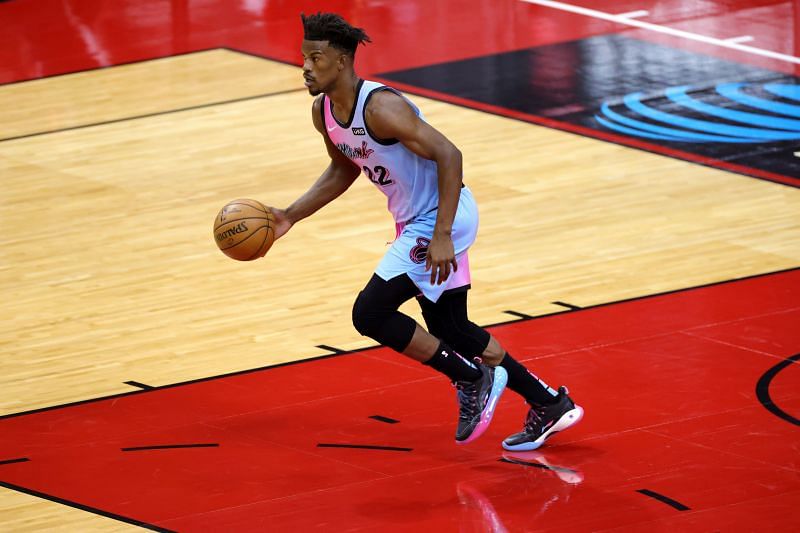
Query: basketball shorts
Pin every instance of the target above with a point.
(407, 253)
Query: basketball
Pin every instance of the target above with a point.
(244, 229)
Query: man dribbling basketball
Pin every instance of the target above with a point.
(372, 128)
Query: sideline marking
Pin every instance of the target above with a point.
(621, 19)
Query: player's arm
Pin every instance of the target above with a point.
(390, 117)
(340, 174)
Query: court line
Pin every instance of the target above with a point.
(591, 133)
(158, 113)
(384, 419)
(139, 385)
(372, 347)
(13, 461)
(169, 447)
(147, 59)
(762, 390)
(627, 20)
(517, 314)
(660, 497)
(567, 305)
(364, 447)
(330, 348)
(83, 507)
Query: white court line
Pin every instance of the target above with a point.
(634, 14)
(664, 29)
(740, 39)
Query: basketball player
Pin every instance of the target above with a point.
(370, 128)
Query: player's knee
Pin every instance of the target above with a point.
(366, 319)
(382, 323)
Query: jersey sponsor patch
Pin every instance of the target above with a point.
(359, 131)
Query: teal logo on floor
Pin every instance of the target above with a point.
(741, 113)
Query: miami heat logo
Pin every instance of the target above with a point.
(420, 251)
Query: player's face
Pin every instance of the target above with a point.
(321, 66)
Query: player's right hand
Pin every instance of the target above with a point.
(282, 222)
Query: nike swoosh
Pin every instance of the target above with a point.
(331, 128)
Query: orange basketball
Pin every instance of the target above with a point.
(244, 229)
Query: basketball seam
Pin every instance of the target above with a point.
(240, 219)
(245, 239)
(261, 245)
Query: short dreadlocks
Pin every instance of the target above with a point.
(334, 29)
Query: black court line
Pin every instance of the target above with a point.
(364, 447)
(372, 347)
(568, 306)
(762, 390)
(384, 419)
(299, 65)
(139, 385)
(105, 67)
(156, 114)
(169, 447)
(148, 59)
(12, 461)
(331, 349)
(520, 315)
(663, 499)
(86, 508)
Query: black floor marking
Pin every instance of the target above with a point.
(364, 447)
(538, 465)
(386, 419)
(86, 508)
(12, 461)
(150, 115)
(331, 349)
(367, 348)
(520, 315)
(663, 499)
(139, 385)
(762, 390)
(568, 306)
(169, 447)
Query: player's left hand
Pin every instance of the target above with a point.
(441, 258)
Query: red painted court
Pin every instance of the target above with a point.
(692, 398)
(692, 415)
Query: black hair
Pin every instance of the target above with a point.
(334, 29)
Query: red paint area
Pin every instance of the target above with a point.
(668, 384)
(49, 37)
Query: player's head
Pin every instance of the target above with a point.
(329, 48)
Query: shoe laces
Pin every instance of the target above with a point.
(535, 416)
(467, 399)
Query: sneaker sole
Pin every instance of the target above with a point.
(567, 420)
(499, 385)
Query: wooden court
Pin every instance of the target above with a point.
(113, 284)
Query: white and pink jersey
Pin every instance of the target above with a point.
(410, 182)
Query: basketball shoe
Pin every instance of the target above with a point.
(544, 421)
(476, 401)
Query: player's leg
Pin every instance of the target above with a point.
(550, 411)
(376, 315)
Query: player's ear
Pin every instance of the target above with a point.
(341, 62)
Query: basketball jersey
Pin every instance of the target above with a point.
(410, 182)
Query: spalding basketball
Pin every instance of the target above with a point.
(244, 229)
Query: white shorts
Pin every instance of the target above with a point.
(407, 253)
